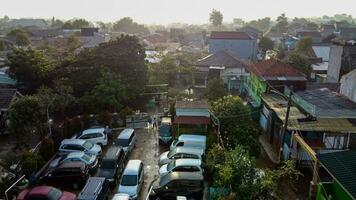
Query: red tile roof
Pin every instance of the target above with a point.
(191, 120)
(274, 68)
(230, 35)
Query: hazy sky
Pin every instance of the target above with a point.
(167, 11)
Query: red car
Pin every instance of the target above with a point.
(45, 193)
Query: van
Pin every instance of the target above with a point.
(192, 141)
(127, 140)
(112, 164)
(96, 188)
(132, 179)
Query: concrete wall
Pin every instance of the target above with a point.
(334, 64)
(246, 49)
(348, 85)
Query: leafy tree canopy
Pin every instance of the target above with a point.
(127, 25)
(262, 24)
(216, 18)
(216, 89)
(282, 24)
(303, 45)
(76, 24)
(300, 62)
(21, 37)
(265, 44)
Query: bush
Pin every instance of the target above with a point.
(47, 149)
(85, 121)
(31, 162)
(124, 112)
(104, 118)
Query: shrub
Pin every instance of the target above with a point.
(31, 162)
(47, 149)
(104, 118)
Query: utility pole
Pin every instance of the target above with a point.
(285, 126)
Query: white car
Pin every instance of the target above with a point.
(74, 145)
(132, 179)
(127, 140)
(181, 165)
(89, 160)
(180, 152)
(121, 196)
(95, 136)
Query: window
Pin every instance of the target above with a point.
(88, 145)
(180, 144)
(190, 156)
(122, 142)
(129, 180)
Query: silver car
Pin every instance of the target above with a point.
(73, 145)
(181, 165)
(127, 140)
(132, 179)
(180, 152)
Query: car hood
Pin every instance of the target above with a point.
(130, 190)
(163, 158)
(163, 170)
(68, 196)
(106, 173)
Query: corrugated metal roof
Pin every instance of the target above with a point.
(192, 104)
(222, 58)
(230, 35)
(341, 166)
(191, 120)
(323, 125)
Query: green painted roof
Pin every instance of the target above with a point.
(342, 167)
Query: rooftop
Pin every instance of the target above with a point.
(274, 69)
(309, 34)
(341, 166)
(6, 97)
(230, 35)
(192, 105)
(222, 58)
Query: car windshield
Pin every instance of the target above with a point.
(164, 131)
(88, 145)
(171, 153)
(171, 165)
(54, 194)
(129, 180)
(86, 157)
(108, 164)
(122, 142)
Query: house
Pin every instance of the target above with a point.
(348, 85)
(224, 65)
(342, 60)
(340, 166)
(194, 40)
(347, 33)
(240, 43)
(7, 96)
(270, 75)
(289, 42)
(251, 31)
(88, 32)
(191, 117)
(94, 40)
(327, 30)
(314, 35)
(321, 64)
(275, 37)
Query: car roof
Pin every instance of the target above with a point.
(40, 190)
(187, 162)
(112, 152)
(132, 167)
(92, 187)
(126, 133)
(189, 150)
(77, 154)
(93, 130)
(73, 141)
(121, 196)
(181, 176)
(73, 164)
(192, 137)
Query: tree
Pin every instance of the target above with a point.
(127, 25)
(2, 45)
(300, 62)
(216, 18)
(216, 89)
(56, 23)
(107, 95)
(261, 24)
(75, 24)
(265, 44)
(27, 118)
(303, 45)
(72, 43)
(165, 71)
(30, 68)
(21, 37)
(282, 24)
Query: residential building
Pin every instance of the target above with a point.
(327, 30)
(224, 65)
(321, 64)
(348, 33)
(88, 32)
(275, 37)
(7, 96)
(240, 43)
(348, 85)
(314, 35)
(270, 75)
(289, 42)
(342, 60)
(191, 117)
(251, 31)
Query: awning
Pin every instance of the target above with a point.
(192, 120)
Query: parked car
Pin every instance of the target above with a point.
(95, 136)
(121, 196)
(180, 152)
(132, 179)
(126, 139)
(96, 188)
(188, 184)
(73, 145)
(90, 160)
(193, 141)
(181, 165)
(72, 174)
(107, 131)
(45, 193)
(112, 164)
(165, 131)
